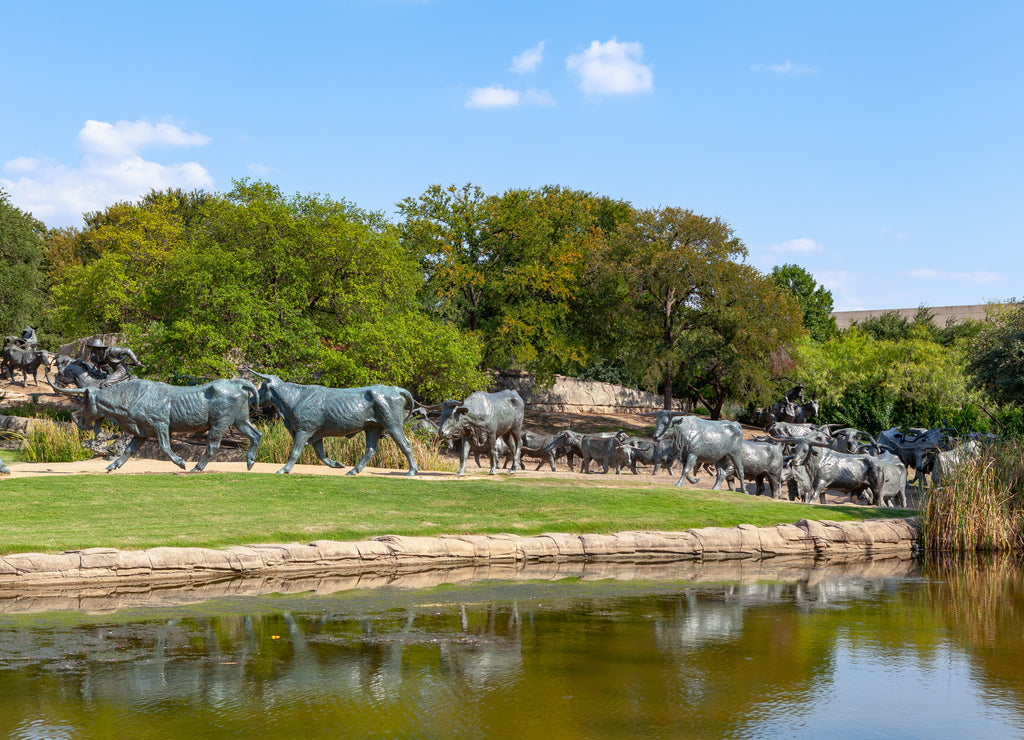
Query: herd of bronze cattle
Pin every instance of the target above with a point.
(808, 458)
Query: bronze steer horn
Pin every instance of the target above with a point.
(73, 392)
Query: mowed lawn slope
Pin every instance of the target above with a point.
(221, 509)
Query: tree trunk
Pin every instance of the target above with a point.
(666, 391)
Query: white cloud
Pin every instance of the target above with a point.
(495, 96)
(612, 68)
(260, 170)
(843, 286)
(111, 170)
(801, 244)
(499, 96)
(528, 60)
(978, 277)
(130, 137)
(981, 278)
(538, 97)
(786, 68)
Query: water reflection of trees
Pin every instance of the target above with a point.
(981, 601)
(707, 660)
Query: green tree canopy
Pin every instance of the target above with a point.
(995, 360)
(874, 384)
(305, 286)
(682, 313)
(815, 300)
(510, 267)
(22, 268)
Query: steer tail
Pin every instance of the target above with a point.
(410, 402)
(253, 391)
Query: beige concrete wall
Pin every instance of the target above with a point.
(940, 314)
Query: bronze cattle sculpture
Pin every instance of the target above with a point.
(312, 412)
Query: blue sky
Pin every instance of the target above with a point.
(877, 144)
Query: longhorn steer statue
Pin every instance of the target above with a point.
(815, 468)
(483, 418)
(701, 441)
(150, 410)
(313, 412)
(792, 430)
(602, 449)
(797, 413)
(26, 358)
(546, 448)
(894, 480)
(570, 444)
(947, 461)
(762, 461)
(915, 447)
(3, 469)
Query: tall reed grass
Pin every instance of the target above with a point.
(49, 441)
(980, 506)
(276, 445)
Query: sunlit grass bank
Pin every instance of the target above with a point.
(222, 509)
(981, 505)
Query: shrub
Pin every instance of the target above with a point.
(981, 505)
(48, 441)
(276, 445)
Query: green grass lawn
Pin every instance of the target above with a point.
(11, 456)
(222, 509)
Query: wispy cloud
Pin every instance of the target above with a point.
(126, 138)
(978, 278)
(112, 169)
(843, 285)
(260, 170)
(612, 68)
(800, 245)
(499, 96)
(528, 60)
(981, 278)
(786, 68)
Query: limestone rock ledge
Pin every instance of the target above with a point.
(827, 540)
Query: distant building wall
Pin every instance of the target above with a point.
(940, 314)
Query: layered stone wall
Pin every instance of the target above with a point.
(806, 538)
(572, 395)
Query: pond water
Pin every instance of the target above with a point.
(886, 650)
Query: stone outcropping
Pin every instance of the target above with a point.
(807, 538)
(572, 395)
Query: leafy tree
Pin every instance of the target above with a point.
(660, 272)
(746, 326)
(541, 242)
(448, 230)
(305, 286)
(510, 266)
(103, 273)
(815, 300)
(995, 359)
(875, 384)
(889, 326)
(22, 268)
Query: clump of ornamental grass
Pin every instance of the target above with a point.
(276, 445)
(980, 506)
(49, 441)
